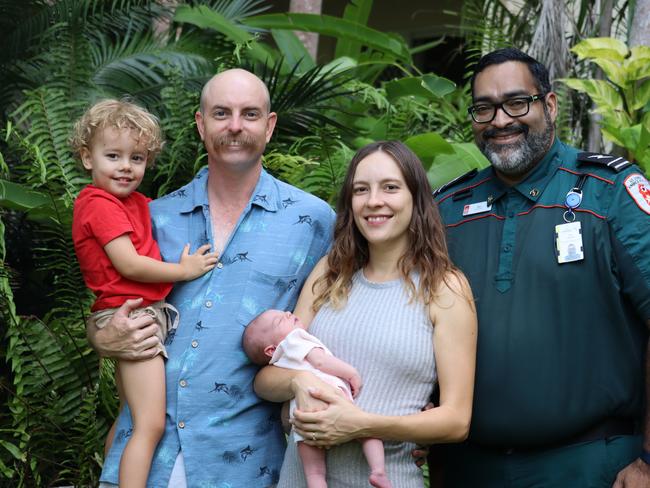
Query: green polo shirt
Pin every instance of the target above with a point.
(560, 346)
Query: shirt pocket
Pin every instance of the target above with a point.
(264, 291)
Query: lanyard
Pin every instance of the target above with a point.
(573, 199)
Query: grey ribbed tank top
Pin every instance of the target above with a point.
(390, 342)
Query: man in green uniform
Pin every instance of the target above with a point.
(556, 246)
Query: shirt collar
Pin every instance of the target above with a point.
(265, 195)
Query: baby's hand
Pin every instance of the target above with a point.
(355, 384)
(199, 263)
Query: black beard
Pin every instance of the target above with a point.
(517, 158)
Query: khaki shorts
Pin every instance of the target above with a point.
(161, 312)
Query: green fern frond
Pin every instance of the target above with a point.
(44, 118)
(288, 167)
(328, 158)
(183, 148)
(52, 366)
(83, 456)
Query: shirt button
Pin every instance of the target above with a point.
(195, 344)
(208, 304)
(183, 383)
(219, 265)
(506, 248)
(181, 425)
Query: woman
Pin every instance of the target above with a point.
(388, 300)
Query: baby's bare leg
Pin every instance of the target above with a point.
(373, 449)
(143, 383)
(313, 464)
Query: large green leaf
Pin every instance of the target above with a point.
(613, 134)
(438, 85)
(642, 97)
(428, 146)
(358, 12)
(340, 65)
(602, 92)
(638, 68)
(601, 47)
(206, 18)
(465, 157)
(336, 27)
(428, 86)
(293, 49)
(613, 70)
(630, 136)
(37, 205)
(18, 197)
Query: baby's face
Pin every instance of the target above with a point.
(280, 323)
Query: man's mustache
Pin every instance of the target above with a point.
(241, 140)
(506, 131)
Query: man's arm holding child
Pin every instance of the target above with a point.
(125, 338)
(329, 364)
(136, 267)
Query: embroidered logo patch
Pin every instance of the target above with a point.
(639, 189)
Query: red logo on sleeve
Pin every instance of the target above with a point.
(639, 189)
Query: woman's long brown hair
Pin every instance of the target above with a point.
(426, 253)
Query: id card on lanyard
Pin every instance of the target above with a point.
(568, 236)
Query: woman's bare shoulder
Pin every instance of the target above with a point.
(453, 291)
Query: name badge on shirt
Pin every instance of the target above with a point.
(568, 242)
(475, 208)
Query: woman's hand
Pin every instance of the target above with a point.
(302, 385)
(340, 422)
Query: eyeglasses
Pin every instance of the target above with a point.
(482, 113)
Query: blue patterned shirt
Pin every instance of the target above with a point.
(229, 437)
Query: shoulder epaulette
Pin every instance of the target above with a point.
(459, 179)
(615, 163)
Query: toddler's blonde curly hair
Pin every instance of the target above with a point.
(118, 114)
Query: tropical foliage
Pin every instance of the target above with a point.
(59, 56)
(623, 98)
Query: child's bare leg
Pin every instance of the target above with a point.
(111, 433)
(143, 383)
(313, 464)
(373, 449)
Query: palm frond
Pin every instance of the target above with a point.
(236, 10)
(136, 65)
(301, 99)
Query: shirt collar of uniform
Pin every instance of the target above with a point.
(265, 195)
(534, 184)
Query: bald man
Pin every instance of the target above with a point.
(268, 236)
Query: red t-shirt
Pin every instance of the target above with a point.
(98, 218)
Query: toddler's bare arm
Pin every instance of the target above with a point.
(136, 267)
